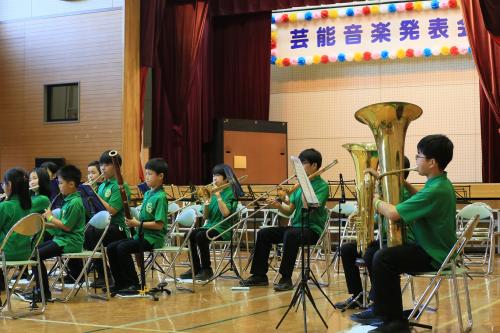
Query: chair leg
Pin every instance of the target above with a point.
(467, 300)
(106, 278)
(456, 298)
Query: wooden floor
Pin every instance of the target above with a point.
(216, 308)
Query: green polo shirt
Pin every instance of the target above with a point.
(154, 209)
(72, 216)
(18, 247)
(215, 216)
(109, 190)
(317, 217)
(431, 214)
(39, 203)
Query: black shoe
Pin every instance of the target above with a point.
(131, 290)
(367, 317)
(98, 283)
(187, 275)
(349, 303)
(284, 284)
(35, 296)
(112, 289)
(254, 281)
(204, 275)
(393, 326)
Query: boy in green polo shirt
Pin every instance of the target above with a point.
(110, 196)
(431, 214)
(16, 206)
(152, 224)
(68, 235)
(349, 253)
(222, 204)
(290, 236)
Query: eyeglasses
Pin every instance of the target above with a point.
(419, 156)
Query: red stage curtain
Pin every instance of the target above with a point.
(232, 7)
(486, 54)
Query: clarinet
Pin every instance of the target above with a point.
(119, 178)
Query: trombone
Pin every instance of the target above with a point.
(203, 193)
(278, 188)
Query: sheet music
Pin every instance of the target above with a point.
(305, 184)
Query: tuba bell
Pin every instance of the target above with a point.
(388, 122)
(364, 155)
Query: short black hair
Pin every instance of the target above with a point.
(51, 166)
(219, 169)
(19, 186)
(406, 165)
(70, 173)
(311, 155)
(106, 159)
(43, 181)
(438, 147)
(158, 165)
(95, 164)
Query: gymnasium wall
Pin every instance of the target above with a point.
(41, 43)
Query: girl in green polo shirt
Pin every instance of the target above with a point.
(68, 235)
(222, 204)
(40, 188)
(109, 195)
(16, 206)
(151, 230)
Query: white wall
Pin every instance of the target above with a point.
(24, 9)
(319, 102)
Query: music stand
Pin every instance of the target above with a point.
(310, 203)
(341, 185)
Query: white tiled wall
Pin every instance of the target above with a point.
(319, 103)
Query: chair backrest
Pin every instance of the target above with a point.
(100, 220)
(187, 217)
(477, 208)
(29, 226)
(346, 208)
(173, 207)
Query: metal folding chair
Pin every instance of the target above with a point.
(29, 226)
(451, 269)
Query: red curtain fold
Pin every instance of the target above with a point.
(486, 55)
(232, 7)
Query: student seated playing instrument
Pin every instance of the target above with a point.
(153, 220)
(349, 253)
(221, 205)
(93, 172)
(291, 236)
(68, 237)
(16, 206)
(39, 182)
(110, 196)
(52, 168)
(431, 214)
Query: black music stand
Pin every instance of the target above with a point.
(303, 291)
(341, 185)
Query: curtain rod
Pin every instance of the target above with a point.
(341, 5)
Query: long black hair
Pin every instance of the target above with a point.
(227, 173)
(19, 186)
(43, 181)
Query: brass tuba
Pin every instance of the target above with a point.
(389, 122)
(364, 155)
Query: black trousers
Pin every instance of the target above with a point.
(349, 253)
(92, 236)
(121, 262)
(198, 241)
(291, 239)
(48, 250)
(388, 264)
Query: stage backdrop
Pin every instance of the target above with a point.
(318, 102)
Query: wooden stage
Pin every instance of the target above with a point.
(216, 308)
